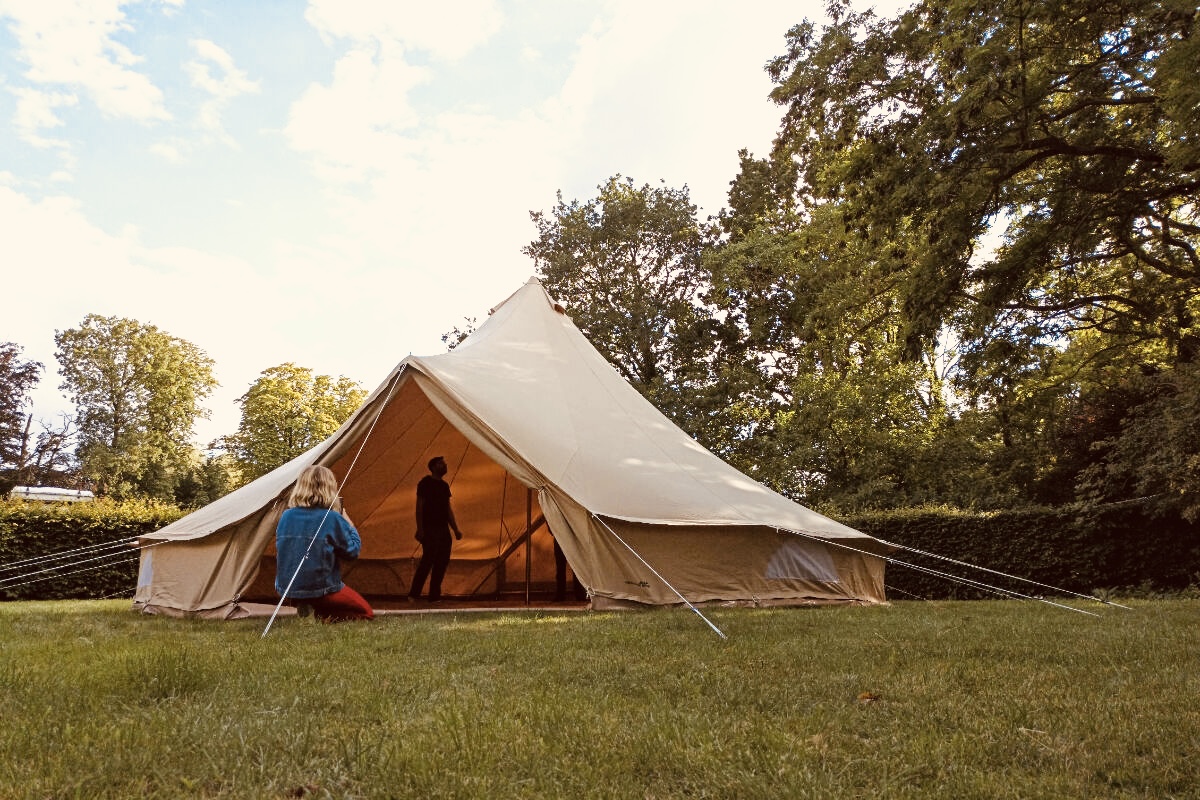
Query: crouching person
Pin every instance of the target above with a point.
(310, 539)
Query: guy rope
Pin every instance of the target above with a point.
(660, 577)
(967, 581)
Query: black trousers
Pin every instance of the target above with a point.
(435, 557)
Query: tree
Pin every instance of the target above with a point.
(207, 478)
(1070, 124)
(1146, 440)
(29, 457)
(627, 264)
(287, 411)
(1019, 179)
(47, 456)
(456, 335)
(840, 418)
(17, 379)
(137, 392)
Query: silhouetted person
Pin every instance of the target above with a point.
(309, 540)
(435, 520)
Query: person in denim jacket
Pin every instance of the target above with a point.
(312, 537)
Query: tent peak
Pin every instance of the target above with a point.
(530, 285)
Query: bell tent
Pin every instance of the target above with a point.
(544, 442)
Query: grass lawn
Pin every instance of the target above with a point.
(987, 699)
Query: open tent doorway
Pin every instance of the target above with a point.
(507, 549)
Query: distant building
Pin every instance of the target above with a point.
(51, 494)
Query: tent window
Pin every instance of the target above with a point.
(799, 560)
(146, 572)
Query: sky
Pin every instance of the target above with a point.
(337, 183)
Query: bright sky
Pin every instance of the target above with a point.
(337, 183)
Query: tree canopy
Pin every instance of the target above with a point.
(17, 379)
(628, 264)
(1069, 128)
(287, 411)
(138, 392)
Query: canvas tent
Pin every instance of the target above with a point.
(543, 438)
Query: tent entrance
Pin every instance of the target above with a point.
(507, 549)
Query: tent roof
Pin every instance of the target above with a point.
(529, 379)
(532, 377)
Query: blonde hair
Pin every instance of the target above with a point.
(315, 488)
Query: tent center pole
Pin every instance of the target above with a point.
(528, 542)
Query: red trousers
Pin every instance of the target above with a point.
(342, 605)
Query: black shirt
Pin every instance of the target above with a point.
(435, 513)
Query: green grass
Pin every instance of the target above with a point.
(947, 700)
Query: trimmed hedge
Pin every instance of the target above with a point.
(30, 530)
(1085, 549)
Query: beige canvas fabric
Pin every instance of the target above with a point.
(538, 431)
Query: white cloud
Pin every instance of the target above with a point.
(440, 194)
(36, 112)
(446, 30)
(464, 200)
(171, 152)
(687, 77)
(632, 101)
(231, 83)
(71, 43)
(50, 242)
(353, 126)
(214, 72)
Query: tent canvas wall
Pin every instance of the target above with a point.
(543, 438)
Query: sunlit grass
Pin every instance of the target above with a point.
(983, 699)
